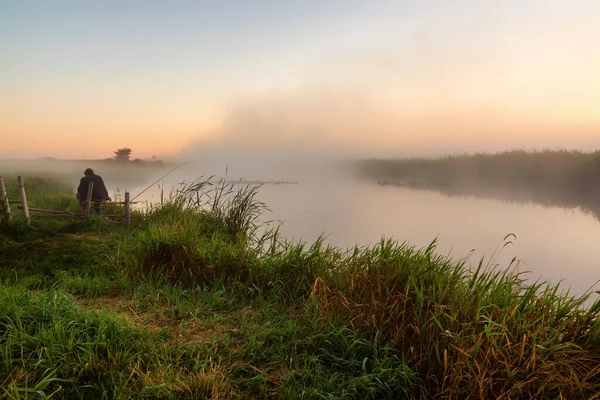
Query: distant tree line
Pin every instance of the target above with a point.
(557, 178)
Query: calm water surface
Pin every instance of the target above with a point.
(551, 243)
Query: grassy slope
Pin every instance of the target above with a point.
(188, 306)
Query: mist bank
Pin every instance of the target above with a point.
(562, 178)
(118, 175)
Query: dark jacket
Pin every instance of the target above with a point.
(99, 191)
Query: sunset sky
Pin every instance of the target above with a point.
(79, 79)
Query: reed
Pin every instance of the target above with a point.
(481, 334)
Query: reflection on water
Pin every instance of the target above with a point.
(587, 203)
(552, 243)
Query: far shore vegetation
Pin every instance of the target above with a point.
(198, 301)
(552, 178)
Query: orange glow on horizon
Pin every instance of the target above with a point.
(409, 76)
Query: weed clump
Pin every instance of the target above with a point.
(176, 253)
(199, 237)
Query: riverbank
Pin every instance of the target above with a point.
(551, 178)
(192, 304)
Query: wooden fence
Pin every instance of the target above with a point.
(5, 211)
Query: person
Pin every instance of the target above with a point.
(99, 192)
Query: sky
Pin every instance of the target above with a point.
(80, 79)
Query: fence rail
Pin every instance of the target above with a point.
(5, 211)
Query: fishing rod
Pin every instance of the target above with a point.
(159, 179)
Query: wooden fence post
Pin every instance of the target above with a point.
(127, 210)
(6, 205)
(88, 203)
(24, 200)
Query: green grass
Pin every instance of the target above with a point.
(42, 191)
(192, 303)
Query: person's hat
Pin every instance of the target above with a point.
(88, 171)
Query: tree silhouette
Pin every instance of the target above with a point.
(123, 154)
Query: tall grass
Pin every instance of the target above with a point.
(201, 235)
(483, 334)
(232, 208)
